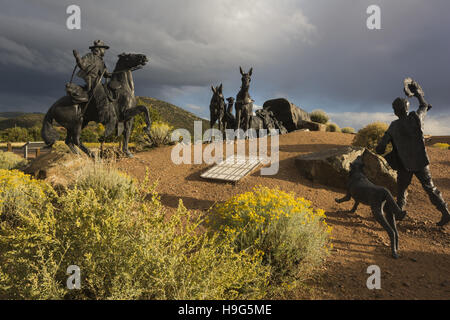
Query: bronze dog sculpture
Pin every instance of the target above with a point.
(380, 200)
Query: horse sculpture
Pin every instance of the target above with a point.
(74, 116)
(217, 108)
(244, 104)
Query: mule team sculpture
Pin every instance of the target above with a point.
(243, 105)
(114, 105)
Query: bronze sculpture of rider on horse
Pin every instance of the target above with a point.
(113, 103)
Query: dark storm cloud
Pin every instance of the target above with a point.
(318, 54)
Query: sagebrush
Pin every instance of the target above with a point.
(9, 160)
(333, 127)
(319, 116)
(160, 133)
(369, 136)
(348, 130)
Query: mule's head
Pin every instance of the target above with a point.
(217, 92)
(246, 77)
(357, 165)
(217, 99)
(131, 61)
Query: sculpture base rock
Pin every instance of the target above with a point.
(331, 167)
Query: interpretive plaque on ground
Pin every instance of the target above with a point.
(233, 169)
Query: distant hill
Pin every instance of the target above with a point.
(175, 116)
(20, 119)
(11, 114)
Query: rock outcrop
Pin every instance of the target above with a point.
(331, 167)
(313, 126)
(289, 114)
(58, 167)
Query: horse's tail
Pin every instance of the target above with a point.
(48, 133)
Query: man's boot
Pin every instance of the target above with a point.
(445, 217)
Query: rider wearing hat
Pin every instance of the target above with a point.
(92, 70)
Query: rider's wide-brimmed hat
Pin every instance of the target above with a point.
(99, 44)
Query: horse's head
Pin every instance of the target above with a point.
(130, 61)
(246, 77)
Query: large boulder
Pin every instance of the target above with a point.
(379, 172)
(289, 114)
(331, 167)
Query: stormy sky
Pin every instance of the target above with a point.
(319, 54)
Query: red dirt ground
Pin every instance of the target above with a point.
(421, 272)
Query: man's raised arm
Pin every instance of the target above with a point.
(423, 107)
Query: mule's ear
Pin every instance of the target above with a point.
(242, 72)
(220, 88)
(250, 72)
(213, 90)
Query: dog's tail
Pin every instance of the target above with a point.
(393, 206)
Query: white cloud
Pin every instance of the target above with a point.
(434, 125)
(437, 125)
(193, 107)
(358, 120)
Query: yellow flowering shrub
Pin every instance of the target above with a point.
(124, 243)
(443, 146)
(288, 232)
(21, 197)
(27, 229)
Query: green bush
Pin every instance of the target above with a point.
(9, 160)
(16, 134)
(369, 136)
(319, 116)
(126, 247)
(138, 134)
(89, 134)
(34, 133)
(333, 127)
(292, 237)
(348, 130)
